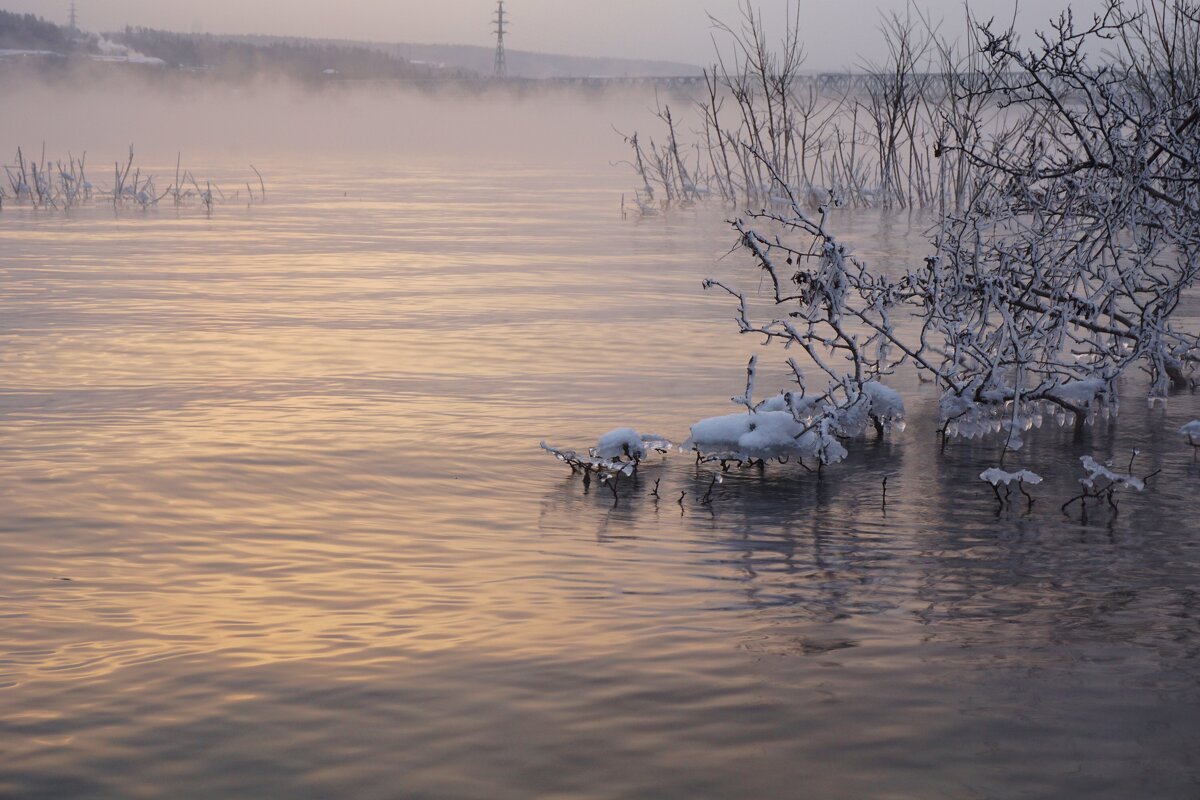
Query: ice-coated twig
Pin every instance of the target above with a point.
(708, 498)
(747, 399)
(62, 185)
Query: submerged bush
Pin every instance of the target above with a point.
(1068, 232)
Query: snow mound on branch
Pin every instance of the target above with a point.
(799, 407)
(875, 401)
(629, 443)
(724, 434)
(764, 435)
(773, 434)
(621, 442)
(1080, 393)
(886, 402)
(996, 476)
(790, 425)
(1191, 431)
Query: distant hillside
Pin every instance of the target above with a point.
(521, 63)
(245, 57)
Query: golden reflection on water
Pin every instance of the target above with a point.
(271, 435)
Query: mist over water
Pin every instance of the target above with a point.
(275, 522)
(265, 119)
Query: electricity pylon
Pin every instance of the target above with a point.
(500, 21)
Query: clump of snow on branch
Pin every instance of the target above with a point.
(763, 435)
(1191, 432)
(996, 476)
(629, 443)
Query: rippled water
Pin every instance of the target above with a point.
(275, 524)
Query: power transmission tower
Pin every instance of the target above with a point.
(500, 21)
(74, 26)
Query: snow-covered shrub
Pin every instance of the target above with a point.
(1068, 233)
(617, 454)
(61, 185)
(1059, 274)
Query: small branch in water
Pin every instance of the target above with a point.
(1028, 496)
(1000, 500)
(262, 186)
(610, 480)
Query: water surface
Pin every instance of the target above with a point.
(276, 524)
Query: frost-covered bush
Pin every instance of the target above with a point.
(60, 185)
(617, 454)
(1067, 265)
(1068, 233)
(1060, 273)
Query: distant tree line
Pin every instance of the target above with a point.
(27, 32)
(226, 57)
(233, 59)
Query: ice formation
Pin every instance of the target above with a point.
(996, 476)
(1097, 471)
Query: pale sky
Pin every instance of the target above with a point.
(837, 33)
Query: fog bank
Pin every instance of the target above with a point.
(281, 120)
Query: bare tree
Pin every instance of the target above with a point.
(1063, 267)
